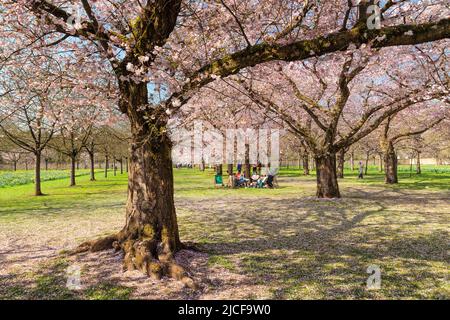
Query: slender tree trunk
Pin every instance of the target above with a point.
(327, 184)
(37, 174)
(230, 176)
(418, 166)
(114, 166)
(26, 165)
(92, 162)
(390, 164)
(247, 168)
(15, 165)
(106, 166)
(46, 164)
(352, 161)
(73, 163)
(411, 160)
(305, 161)
(202, 165)
(380, 160)
(366, 168)
(341, 163)
(121, 165)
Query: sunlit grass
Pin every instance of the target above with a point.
(282, 239)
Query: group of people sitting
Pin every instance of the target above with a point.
(258, 179)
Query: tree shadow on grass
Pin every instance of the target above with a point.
(322, 249)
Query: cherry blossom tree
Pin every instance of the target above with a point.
(397, 128)
(344, 97)
(29, 109)
(176, 47)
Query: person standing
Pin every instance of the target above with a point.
(361, 170)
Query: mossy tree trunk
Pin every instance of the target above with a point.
(150, 237)
(327, 184)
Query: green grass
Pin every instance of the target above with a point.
(283, 240)
(20, 177)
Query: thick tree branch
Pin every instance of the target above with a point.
(340, 41)
(417, 132)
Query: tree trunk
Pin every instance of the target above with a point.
(15, 165)
(327, 184)
(411, 160)
(92, 162)
(126, 164)
(230, 176)
(418, 166)
(202, 165)
(341, 163)
(73, 163)
(46, 164)
(366, 168)
(37, 174)
(247, 168)
(390, 164)
(380, 166)
(352, 161)
(121, 165)
(305, 160)
(106, 166)
(150, 236)
(114, 166)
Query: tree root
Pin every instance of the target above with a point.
(147, 256)
(191, 246)
(97, 245)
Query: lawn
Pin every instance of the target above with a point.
(255, 243)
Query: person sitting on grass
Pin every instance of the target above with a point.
(254, 180)
(261, 182)
(239, 179)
